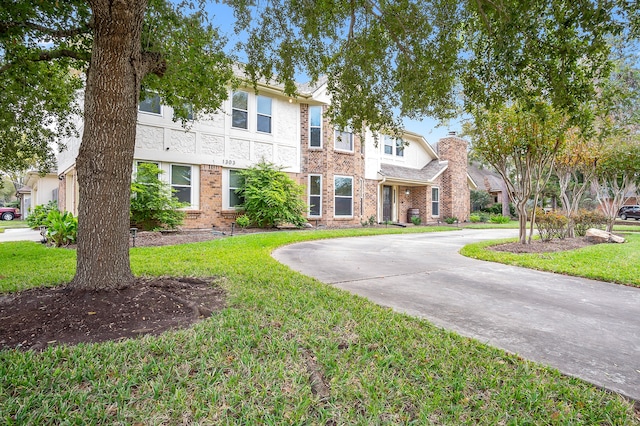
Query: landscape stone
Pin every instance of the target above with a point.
(599, 236)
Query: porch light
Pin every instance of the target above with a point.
(407, 192)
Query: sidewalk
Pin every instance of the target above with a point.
(20, 234)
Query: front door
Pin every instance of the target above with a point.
(387, 193)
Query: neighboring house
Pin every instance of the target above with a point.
(37, 190)
(490, 181)
(348, 178)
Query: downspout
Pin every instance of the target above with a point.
(379, 197)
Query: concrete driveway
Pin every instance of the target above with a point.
(20, 234)
(584, 328)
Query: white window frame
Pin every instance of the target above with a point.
(435, 202)
(400, 146)
(228, 188)
(157, 114)
(190, 186)
(335, 196)
(262, 114)
(338, 133)
(319, 127)
(246, 111)
(388, 142)
(319, 195)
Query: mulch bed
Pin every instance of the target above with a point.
(37, 318)
(538, 246)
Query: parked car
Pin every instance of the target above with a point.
(629, 212)
(9, 213)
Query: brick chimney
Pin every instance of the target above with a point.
(454, 193)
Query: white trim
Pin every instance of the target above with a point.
(239, 109)
(438, 188)
(335, 140)
(258, 114)
(156, 114)
(318, 127)
(342, 196)
(191, 181)
(309, 195)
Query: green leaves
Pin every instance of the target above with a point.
(271, 197)
(62, 228)
(152, 203)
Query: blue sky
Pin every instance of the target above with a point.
(222, 17)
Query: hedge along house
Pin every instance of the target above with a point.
(349, 178)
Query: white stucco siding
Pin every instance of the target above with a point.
(213, 140)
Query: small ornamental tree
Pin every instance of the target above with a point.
(152, 203)
(617, 174)
(521, 144)
(271, 197)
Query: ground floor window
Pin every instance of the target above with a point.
(315, 195)
(343, 196)
(181, 182)
(236, 181)
(435, 201)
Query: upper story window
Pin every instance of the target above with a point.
(315, 126)
(388, 145)
(240, 110)
(399, 147)
(264, 114)
(392, 145)
(189, 110)
(150, 104)
(181, 182)
(343, 140)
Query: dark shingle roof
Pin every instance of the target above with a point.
(425, 174)
(485, 178)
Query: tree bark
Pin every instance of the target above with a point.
(105, 160)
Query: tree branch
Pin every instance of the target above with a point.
(70, 32)
(49, 56)
(153, 63)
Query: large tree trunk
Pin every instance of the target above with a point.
(105, 160)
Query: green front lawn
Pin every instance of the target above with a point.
(249, 364)
(618, 263)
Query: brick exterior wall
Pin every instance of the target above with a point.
(211, 213)
(454, 190)
(328, 162)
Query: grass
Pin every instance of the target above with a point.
(11, 224)
(247, 364)
(617, 263)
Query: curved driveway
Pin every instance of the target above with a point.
(584, 328)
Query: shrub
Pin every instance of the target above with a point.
(271, 197)
(416, 220)
(152, 203)
(498, 218)
(586, 219)
(451, 220)
(551, 225)
(62, 228)
(475, 218)
(479, 199)
(243, 221)
(38, 216)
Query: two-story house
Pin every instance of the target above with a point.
(348, 177)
